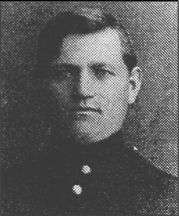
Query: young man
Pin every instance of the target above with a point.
(88, 74)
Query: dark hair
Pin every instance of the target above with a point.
(81, 21)
(31, 110)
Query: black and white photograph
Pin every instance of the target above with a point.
(88, 108)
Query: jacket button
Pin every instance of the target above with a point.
(86, 169)
(77, 189)
(135, 149)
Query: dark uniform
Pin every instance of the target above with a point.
(106, 178)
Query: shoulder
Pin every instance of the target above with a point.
(157, 187)
(167, 203)
(164, 198)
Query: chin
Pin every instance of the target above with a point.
(85, 136)
(82, 136)
(84, 132)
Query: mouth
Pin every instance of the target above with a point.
(85, 110)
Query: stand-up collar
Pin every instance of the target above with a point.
(103, 148)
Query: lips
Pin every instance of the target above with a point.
(86, 109)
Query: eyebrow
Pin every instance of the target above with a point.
(62, 63)
(65, 64)
(91, 65)
(101, 65)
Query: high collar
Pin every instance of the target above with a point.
(104, 150)
(73, 154)
(104, 147)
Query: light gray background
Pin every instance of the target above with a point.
(153, 27)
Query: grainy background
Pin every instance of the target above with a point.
(153, 27)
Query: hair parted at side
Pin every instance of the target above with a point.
(80, 21)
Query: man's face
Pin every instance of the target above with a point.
(90, 83)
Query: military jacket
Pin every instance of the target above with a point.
(105, 178)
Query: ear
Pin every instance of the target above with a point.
(135, 81)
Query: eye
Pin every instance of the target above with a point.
(61, 72)
(102, 73)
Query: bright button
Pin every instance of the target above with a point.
(77, 189)
(86, 169)
(135, 149)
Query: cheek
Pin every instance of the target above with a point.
(114, 97)
(61, 91)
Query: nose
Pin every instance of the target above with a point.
(83, 86)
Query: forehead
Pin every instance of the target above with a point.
(101, 46)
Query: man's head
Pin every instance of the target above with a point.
(88, 64)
